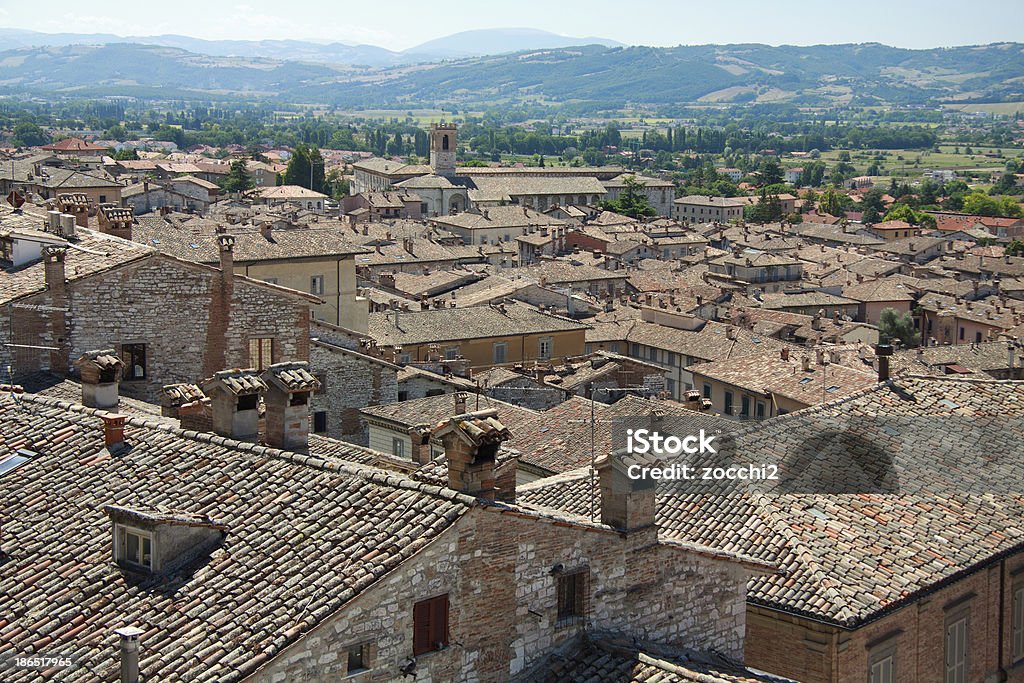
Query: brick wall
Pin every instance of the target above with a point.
(817, 653)
(496, 570)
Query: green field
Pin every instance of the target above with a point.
(1005, 108)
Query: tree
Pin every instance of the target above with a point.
(28, 134)
(126, 154)
(337, 184)
(632, 200)
(907, 213)
(1015, 248)
(832, 202)
(306, 165)
(771, 172)
(981, 204)
(894, 325)
(238, 179)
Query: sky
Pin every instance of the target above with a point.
(401, 24)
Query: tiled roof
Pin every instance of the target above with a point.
(520, 185)
(562, 272)
(97, 253)
(101, 358)
(497, 217)
(433, 410)
(236, 381)
(711, 342)
(602, 660)
(883, 289)
(288, 192)
(293, 375)
(290, 517)
(456, 324)
(847, 558)
(805, 299)
(702, 200)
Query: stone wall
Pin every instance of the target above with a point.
(351, 381)
(497, 571)
(175, 309)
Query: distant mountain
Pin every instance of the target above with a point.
(496, 41)
(465, 44)
(601, 77)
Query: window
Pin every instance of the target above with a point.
(451, 353)
(883, 670)
(956, 650)
(405, 358)
(135, 547)
(546, 347)
(358, 658)
(103, 199)
(500, 352)
(398, 447)
(430, 625)
(707, 391)
(134, 358)
(571, 597)
(320, 421)
(759, 409)
(745, 406)
(977, 337)
(614, 347)
(728, 403)
(403, 395)
(1018, 624)
(316, 284)
(261, 352)
(961, 334)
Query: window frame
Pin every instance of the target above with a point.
(259, 363)
(957, 672)
(316, 285)
(320, 422)
(398, 446)
(503, 346)
(365, 651)
(121, 534)
(129, 356)
(435, 629)
(572, 584)
(549, 342)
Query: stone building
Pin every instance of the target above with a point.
(349, 382)
(169, 321)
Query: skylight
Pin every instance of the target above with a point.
(805, 380)
(13, 460)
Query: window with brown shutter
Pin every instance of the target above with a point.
(430, 625)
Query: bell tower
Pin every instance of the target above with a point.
(442, 148)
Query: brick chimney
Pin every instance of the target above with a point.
(53, 268)
(289, 389)
(420, 436)
(76, 204)
(471, 442)
(113, 430)
(235, 397)
(129, 653)
(227, 257)
(100, 372)
(626, 504)
(112, 219)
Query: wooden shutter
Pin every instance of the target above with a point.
(421, 628)
(430, 625)
(439, 621)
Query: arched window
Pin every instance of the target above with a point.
(444, 143)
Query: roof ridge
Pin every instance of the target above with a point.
(325, 463)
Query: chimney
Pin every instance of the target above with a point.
(227, 258)
(113, 430)
(267, 230)
(882, 352)
(290, 387)
(784, 353)
(471, 442)
(460, 403)
(626, 504)
(805, 363)
(420, 436)
(100, 372)
(53, 269)
(235, 398)
(129, 653)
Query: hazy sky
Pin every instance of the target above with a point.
(399, 24)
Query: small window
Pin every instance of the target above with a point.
(1018, 624)
(546, 348)
(430, 625)
(261, 352)
(320, 421)
(249, 402)
(745, 406)
(883, 670)
(316, 284)
(956, 651)
(707, 391)
(403, 395)
(500, 353)
(405, 358)
(977, 337)
(134, 358)
(614, 347)
(571, 597)
(358, 658)
(451, 353)
(103, 199)
(961, 334)
(135, 547)
(398, 447)
(759, 409)
(728, 403)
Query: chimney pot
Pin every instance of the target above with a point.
(113, 430)
(129, 653)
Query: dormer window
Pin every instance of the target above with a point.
(134, 547)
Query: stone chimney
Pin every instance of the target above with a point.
(882, 352)
(100, 372)
(471, 442)
(235, 397)
(289, 389)
(227, 257)
(129, 653)
(174, 396)
(460, 402)
(805, 363)
(784, 353)
(626, 504)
